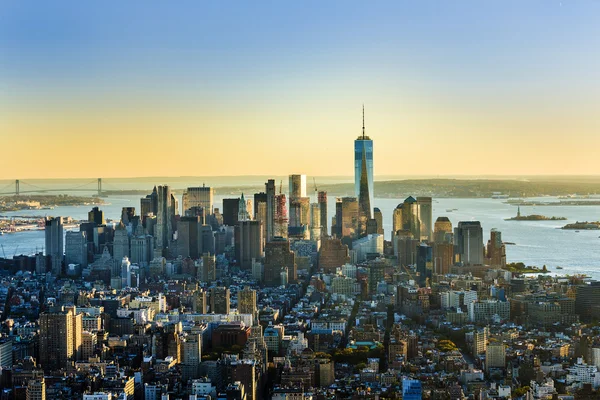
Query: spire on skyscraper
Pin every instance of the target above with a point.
(363, 129)
(243, 214)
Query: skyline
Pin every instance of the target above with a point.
(448, 91)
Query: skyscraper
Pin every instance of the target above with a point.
(231, 208)
(96, 216)
(496, 250)
(60, 338)
(187, 237)
(149, 204)
(54, 243)
(165, 217)
(297, 186)
(247, 301)
(322, 199)
(278, 256)
(76, 248)
(198, 197)
(121, 242)
(364, 199)
(248, 238)
(425, 217)
(243, 214)
(219, 300)
(363, 154)
(270, 217)
(468, 242)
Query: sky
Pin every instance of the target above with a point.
(192, 88)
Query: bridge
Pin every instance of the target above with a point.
(95, 184)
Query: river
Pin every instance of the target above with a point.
(536, 242)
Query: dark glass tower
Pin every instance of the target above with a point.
(363, 154)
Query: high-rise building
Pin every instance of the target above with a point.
(378, 216)
(363, 154)
(191, 356)
(364, 198)
(297, 186)
(54, 243)
(406, 217)
(495, 356)
(299, 211)
(141, 247)
(198, 197)
(315, 221)
(187, 237)
(36, 389)
(322, 200)
(165, 218)
(6, 352)
(425, 210)
(54, 236)
(125, 273)
(60, 338)
(149, 204)
(270, 217)
(96, 216)
(247, 301)
(332, 254)
(496, 250)
(281, 216)
(127, 215)
(76, 248)
(231, 208)
(208, 271)
(243, 214)
(442, 232)
(424, 263)
(443, 257)
(219, 300)
(206, 238)
(468, 242)
(587, 297)
(121, 242)
(349, 218)
(248, 239)
(277, 257)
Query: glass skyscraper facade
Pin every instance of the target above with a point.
(363, 143)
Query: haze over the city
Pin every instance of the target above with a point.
(148, 89)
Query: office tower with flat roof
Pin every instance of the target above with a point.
(332, 254)
(496, 250)
(248, 239)
(36, 389)
(76, 246)
(206, 240)
(187, 237)
(198, 197)
(127, 214)
(425, 210)
(60, 338)
(270, 217)
(297, 186)
(208, 270)
(299, 211)
(96, 216)
(443, 257)
(141, 247)
(54, 236)
(406, 217)
(468, 242)
(322, 200)
(315, 221)
(231, 208)
(350, 218)
(281, 216)
(277, 257)
(219, 300)
(424, 263)
(247, 301)
(363, 162)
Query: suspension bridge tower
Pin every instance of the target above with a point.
(99, 186)
(17, 189)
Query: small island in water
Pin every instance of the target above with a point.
(583, 225)
(533, 217)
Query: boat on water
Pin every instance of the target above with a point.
(449, 210)
(559, 267)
